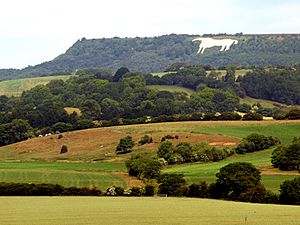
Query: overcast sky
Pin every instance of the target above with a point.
(34, 31)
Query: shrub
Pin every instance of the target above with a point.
(172, 184)
(256, 142)
(290, 192)
(200, 190)
(61, 127)
(136, 191)
(125, 145)
(229, 116)
(145, 140)
(114, 191)
(287, 157)
(144, 166)
(252, 116)
(64, 149)
(149, 190)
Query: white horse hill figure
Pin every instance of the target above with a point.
(209, 42)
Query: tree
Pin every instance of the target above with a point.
(287, 157)
(172, 184)
(90, 109)
(290, 192)
(144, 166)
(125, 145)
(237, 178)
(64, 149)
(120, 73)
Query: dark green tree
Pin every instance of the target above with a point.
(237, 178)
(125, 145)
(290, 192)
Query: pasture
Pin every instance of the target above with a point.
(16, 87)
(139, 211)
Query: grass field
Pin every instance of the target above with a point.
(140, 211)
(16, 87)
(100, 174)
(171, 88)
(263, 102)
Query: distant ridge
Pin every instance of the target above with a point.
(153, 54)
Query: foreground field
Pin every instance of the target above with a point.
(138, 211)
(16, 87)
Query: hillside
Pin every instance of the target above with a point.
(92, 161)
(16, 87)
(152, 54)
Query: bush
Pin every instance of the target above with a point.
(64, 149)
(229, 116)
(144, 166)
(145, 140)
(149, 190)
(172, 185)
(256, 142)
(200, 190)
(114, 191)
(125, 145)
(61, 127)
(290, 192)
(252, 116)
(287, 157)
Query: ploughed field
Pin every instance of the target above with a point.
(91, 160)
(141, 210)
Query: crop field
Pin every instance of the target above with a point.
(16, 87)
(92, 161)
(140, 211)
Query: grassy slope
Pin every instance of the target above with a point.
(99, 144)
(140, 211)
(171, 88)
(16, 87)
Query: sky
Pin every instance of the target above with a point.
(35, 31)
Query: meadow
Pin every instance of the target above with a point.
(141, 210)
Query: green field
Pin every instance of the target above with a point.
(171, 88)
(16, 87)
(285, 132)
(140, 211)
(100, 174)
(263, 102)
(193, 173)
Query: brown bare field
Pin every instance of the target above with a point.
(100, 144)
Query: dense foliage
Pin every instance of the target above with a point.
(256, 142)
(290, 192)
(287, 157)
(125, 145)
(185, 152)
(237, 178)
(144, 166)
(280, 85)
(152, 54)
